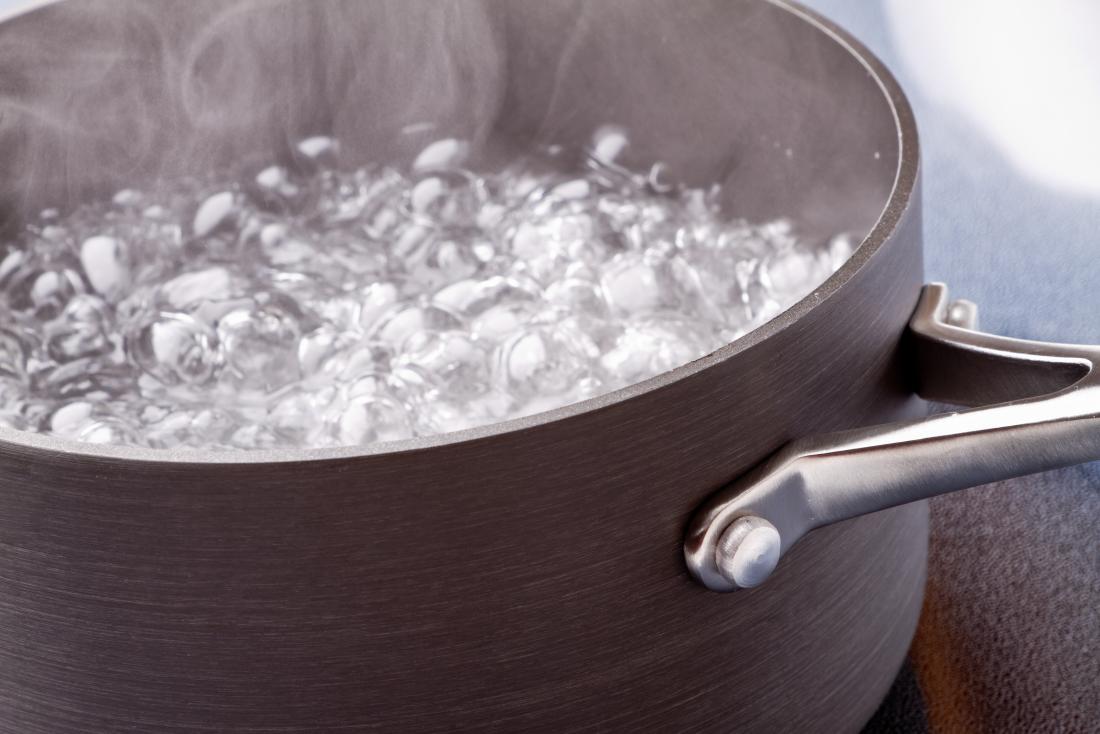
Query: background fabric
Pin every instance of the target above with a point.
(1009, 640)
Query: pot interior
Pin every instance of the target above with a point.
(98, 95)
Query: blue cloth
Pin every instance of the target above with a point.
(1012, 615)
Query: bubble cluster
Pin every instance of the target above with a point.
(305, 304)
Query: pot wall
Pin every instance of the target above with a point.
(531, 579)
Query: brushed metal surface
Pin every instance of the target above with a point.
(821, 480)
(524, 576)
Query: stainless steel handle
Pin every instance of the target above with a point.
(738, 536)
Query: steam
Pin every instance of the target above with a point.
(96, 94)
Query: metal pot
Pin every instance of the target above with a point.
(531, 575)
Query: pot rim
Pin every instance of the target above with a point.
(905, 181)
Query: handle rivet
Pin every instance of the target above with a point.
(748, 551)
(963, 313)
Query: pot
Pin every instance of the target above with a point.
(530, 575)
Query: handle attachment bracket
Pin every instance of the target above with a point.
(1044, 413)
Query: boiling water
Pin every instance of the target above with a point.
(313, 306)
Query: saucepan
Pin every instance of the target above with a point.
(557, 572)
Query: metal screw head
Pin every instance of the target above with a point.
(964, 314)
(748, 551)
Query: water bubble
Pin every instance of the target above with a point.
(15, 347)
(191, 289)
(841, 248)
(109, 432)
(457, 297)
(522, 185)
(165, 429)
(368, 198)
(547, 246)
(431, 258)
(403, 321)
(786, 274)
(298, 415)
(136, 309)
(438, 415)
(84, 421)
(88, 376)
(491, 216)
(579, 292)
(215, 213)
(457, 364)
(301, 287)
(652, 346)
(373, 418)
(471, 297)
(317, 153)
(378, 299)
(168, 428)
(604, 161)
(577, 188)
(284, 248)
(350, 257)
(498, 322)
(365, 356)
(275, 189)
(320, 345)
(13, 262)
(659, 179)
(259, 344)
(106, 262)
(588, 335)
(13, 398)
(70, 418)
(42, 292)
(253, 436)
(341, 311)
(52, 243)
(589, 387)
(432, 411)
(539, 360)
(608, 143)
(127, 198)
(82, 330)
(452, 198)
(638, 283)
(328, 353)
(176, 348)
(442, 154)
